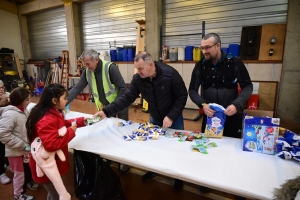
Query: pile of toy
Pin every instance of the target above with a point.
(143, 132)
(288, 146)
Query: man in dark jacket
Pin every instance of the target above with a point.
(164, 90)
(218, 74)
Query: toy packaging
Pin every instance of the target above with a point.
(215, 125)
(260, 134)
(288, 146)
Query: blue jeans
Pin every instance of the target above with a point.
(177, 124)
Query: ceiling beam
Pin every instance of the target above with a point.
(40, 5)
(8, 6)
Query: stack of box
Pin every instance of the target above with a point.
(260, 131)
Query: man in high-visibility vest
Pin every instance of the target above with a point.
(105, 81)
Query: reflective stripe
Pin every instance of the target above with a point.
(111, 88)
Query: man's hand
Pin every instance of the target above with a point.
(208, 111)
(167, 122)
(230, 110)
(101, 114)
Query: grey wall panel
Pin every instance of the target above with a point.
(47, 33)
(106, 21)
(226, 18)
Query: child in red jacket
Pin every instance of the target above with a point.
(46, 124)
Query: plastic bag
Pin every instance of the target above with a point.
(215, 125)
(94, 178)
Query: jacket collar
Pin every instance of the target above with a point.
(9, 107)
(221, 60)
(56, 112)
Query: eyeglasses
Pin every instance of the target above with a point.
(207, 47)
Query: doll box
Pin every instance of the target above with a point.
(260, 133)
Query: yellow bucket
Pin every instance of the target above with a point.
(196, 54)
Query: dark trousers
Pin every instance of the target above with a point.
(2, 158)
(232, 127)
(27, 176)
(177, 124)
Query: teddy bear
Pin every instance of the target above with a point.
(46, 164)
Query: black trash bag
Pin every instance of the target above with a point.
(95, 179)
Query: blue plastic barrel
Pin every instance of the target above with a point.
(130, 54)
(225, 50)
(125, 56)
(189, 52)
(112, 54)
(234, 49)
(119, 54)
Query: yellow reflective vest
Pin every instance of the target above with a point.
(109, 89)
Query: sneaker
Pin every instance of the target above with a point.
(125, 169)
(27, 197)
(178, 185)
(32, 185)
(148, 176)
(4, 179)
(23, 197)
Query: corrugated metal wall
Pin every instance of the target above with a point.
(106, 21)
(225, 18)
(47, 33)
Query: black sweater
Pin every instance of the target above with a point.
(211, 77)
(166, 94)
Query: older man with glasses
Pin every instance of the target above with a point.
(106, 82)
(164, 90)
(219, 74)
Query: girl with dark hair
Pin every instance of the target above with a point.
(46, 121)
(13, 135)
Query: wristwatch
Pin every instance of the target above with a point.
(203, 104)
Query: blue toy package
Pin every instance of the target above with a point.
(215, 125)
(288, 146)
(260, 134)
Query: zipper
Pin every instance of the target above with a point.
(154, 95)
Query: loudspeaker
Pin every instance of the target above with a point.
(250, 42)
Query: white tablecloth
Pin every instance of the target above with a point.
(226, 168)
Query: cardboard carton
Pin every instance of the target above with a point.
(260, 131)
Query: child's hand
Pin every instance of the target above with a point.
(74, 127)
(27, 147)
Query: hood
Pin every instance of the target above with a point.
(8, 108)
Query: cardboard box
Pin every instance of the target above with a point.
(260, 131)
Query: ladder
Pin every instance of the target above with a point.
(64, 80)
(140, 46)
